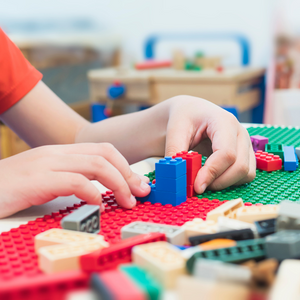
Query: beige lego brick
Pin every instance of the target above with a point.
(57, 236)
(65, 257)
(227, 224)
(287, 282)
(162, 260)
(251, 214)
(198, 226)
(225, 210)
(192, 288)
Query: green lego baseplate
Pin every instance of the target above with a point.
(267, 187)
(244, 250)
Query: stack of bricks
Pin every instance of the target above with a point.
(193, 165)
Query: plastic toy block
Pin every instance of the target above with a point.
(276, 149)
(286, 285)
(265, 227)
(110, 258)
(57, 236)
(220, 271)
(44, 286)
(225, 210)
(263, 272)
(144, 280)
(65, 257)
(151, 197)
(290, 159)
(171, 198)
(217, 244)
(170, 168)
(251, 214)
(175, 234)
(170, 184)
(153, 64)
(190, 191)
(267, 161)
(288, 216)
(237, 235)
(283, 244)
(198, 226)
(192, 288)
(115, 285)
(116, 90)
(193, 160)
(226, 224)
(297, 151)
(85, 219)
(163, 260)
(244, 250)
(259, 142)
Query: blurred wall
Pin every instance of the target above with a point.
(136, 19)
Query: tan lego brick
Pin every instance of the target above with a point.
(57, 236)
(65, 257)
(191, 288)
(162, 260)
(251, 214)
(198, 226)
(225, 210)
(287, 282)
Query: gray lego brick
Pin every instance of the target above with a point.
(86, 219)
(283, 244)
(297, 150)
(175, 234)
(288, 216)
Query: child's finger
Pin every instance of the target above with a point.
(137, 186)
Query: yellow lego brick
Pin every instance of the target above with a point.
(57, 236)
(225, 210)
(192, 288)
(251, 214)
(198, 226)
(163, 260)
(65, 257)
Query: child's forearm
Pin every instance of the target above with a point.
(137, 136)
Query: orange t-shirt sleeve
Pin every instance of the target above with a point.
(17, 75)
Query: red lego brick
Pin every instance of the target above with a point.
(44, 286)
(190, 191)
(191, 177)
(153, 64)
(111, 257)
(267, 161)
(119, 286)
(193, 160)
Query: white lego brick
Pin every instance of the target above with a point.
(56, 236)
(254, 213)
(221, 271)
(198, 227)
(191, 288)
(163, 260)
(288, 216)
(297, 150)
(225, 210)
(86, 219)
(65, 257)
(287, 282)
(226, 224)
(175, 234)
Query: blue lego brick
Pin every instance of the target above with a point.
(173, 185)
(290, 159)
(151, 197)
(170, 168)
(170, 198)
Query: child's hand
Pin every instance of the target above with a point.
(42, 174)
(197, 123)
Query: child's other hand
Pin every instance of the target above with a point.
(199, 124)
(42, 174)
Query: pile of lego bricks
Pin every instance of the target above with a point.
(18, 261)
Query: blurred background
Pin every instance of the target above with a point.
(106, 58)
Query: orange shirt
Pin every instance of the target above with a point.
(17, 75)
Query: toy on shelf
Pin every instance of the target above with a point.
(153, 64)
(259, 142)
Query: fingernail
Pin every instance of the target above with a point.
(202, 189)
(144, 178)
(102, 207)
(132, 200)
(144, 186)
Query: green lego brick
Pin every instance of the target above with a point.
(276, 149)
(143, 280)
(244, 250)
